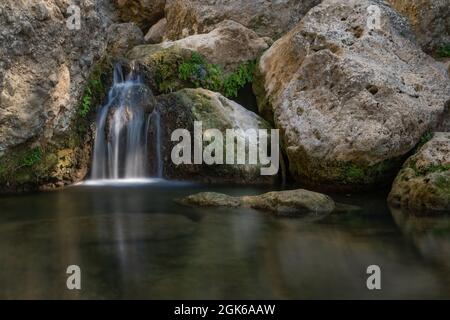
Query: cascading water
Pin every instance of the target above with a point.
(121, 146)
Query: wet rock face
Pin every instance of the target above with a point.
(423, 184)
(290, 202)
(350, 102)
(144, 13)
(179, 110)
(430, 20)
(266, 18)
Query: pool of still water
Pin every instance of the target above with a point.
(135, 242)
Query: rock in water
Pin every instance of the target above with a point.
(430, 20)
(267, 18)
(423, 185)
(179, 110)
(350, 101)
(289, 202)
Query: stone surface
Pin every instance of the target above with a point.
(423, 184)
(350, 102)
(430, 20)
(44, 70)
(156, 33)
(180, 109)
(289, 202)
(228, 45)
(267, 18)
(142, 12)
(122, 37)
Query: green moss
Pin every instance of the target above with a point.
(33, 157)
(427, 136)
(443, 184)
(444, 51)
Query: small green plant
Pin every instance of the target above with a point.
(210, 76)
(427, 136)
(355, 174)
(85, 107)
(238, 79)
(94, 90)
(444, 51)
(32, 157)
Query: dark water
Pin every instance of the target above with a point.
(135, 242)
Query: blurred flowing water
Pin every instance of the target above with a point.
(134, 241)
(121, 144)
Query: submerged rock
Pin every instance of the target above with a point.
(289, 202)
(350, 102)
(430, 20)
(179, 110)
(267, 18)
(423, 184)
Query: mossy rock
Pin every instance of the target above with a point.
(171, 68)
(423, 185)
(341, 175)
(44, 164)
(181, 109)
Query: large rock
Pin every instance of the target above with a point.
(228, 45)
(423, 185)
(142, 12)
(44, 70)
(430, 20)
(350, 102)
(267, 18)
(179, 110)
(292, 202)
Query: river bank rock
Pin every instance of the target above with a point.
(350, 102)
(430, 20)
(45, 68)
(179, 110)
(266, 18)
(289, 202)
(144, 13)
(423, 184)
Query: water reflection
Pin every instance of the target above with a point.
(430, 235)
(135, 242)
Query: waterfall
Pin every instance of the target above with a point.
(121, 143)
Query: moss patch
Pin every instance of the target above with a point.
(175, 68)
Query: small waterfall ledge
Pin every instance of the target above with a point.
(121, 147)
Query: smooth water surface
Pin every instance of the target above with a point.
(133, 241)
